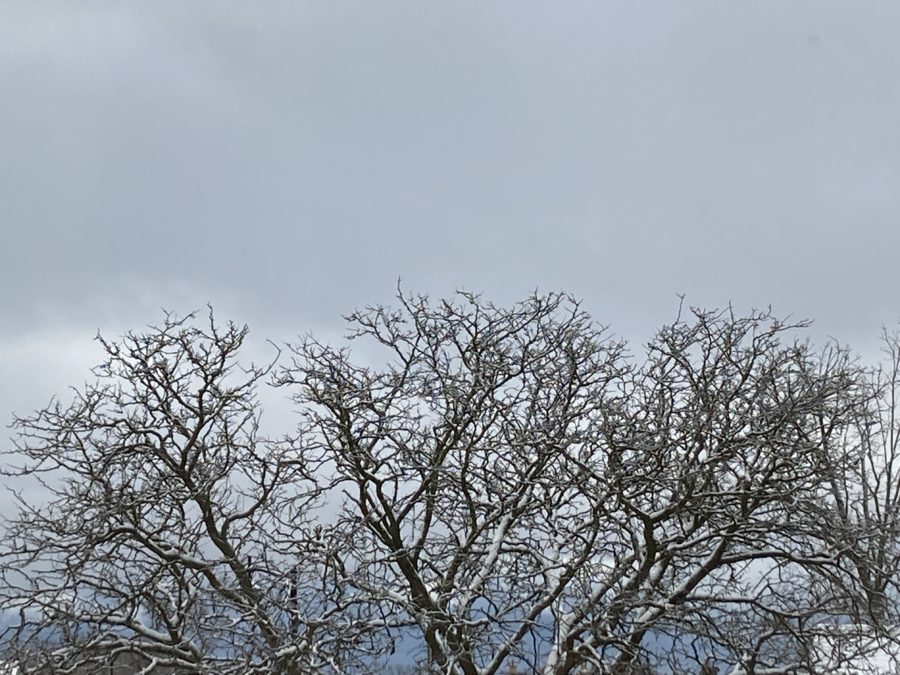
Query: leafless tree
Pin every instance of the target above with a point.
(492, 487)
(171, 530)
(862, 497)
(858, 510)
(520, 488)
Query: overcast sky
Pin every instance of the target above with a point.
(288, 161)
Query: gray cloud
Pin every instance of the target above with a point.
(289, 161)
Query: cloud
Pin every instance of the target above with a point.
(291, 164)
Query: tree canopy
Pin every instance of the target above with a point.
(493, 487)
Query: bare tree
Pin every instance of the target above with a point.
(519, 488)
(492, 489)
(172, 531)
(862, 497)
(858, 512)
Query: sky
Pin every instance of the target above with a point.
(288, 161)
